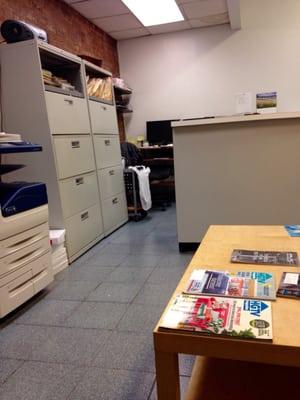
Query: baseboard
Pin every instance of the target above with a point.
(188, 246)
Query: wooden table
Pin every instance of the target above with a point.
(214, 252)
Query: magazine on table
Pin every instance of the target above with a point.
(289, 285)
(225, 316)
(288, 258)
(246, 284)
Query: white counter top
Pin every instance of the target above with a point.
(236, 118)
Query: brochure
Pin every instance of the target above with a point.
(259, 285)
(289, 285)
(289, 258)
(238, 318)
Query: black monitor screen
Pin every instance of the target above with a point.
(159, 132)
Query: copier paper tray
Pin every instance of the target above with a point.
(16, 197)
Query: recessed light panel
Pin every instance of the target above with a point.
(155, 12)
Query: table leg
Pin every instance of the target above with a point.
(167, 376)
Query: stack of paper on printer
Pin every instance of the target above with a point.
(9, 137)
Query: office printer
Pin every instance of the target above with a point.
(25, 263)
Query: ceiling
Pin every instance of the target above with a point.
(116, 19)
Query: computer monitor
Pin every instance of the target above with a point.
(159, 132)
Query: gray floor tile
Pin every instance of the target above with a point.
(48, 312)
(140, 260)
(41, 381)
(70, 345)
(102, 259)
(127, 350)
(165, 274)
(129, 274)
(97, 315)
(7, 368)
(186, 363)
(86, 273)
(175, 260)
(155, 293)
(72, 290)
(140, 318)
(101, 384)
(116, 292)
(19, 341)
(183, 387)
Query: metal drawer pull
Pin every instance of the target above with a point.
(107, 142)
(104, 108)
(115, 200)
(111, 172)
(84, 216)
(70, 101)
(79, 181)
(75, 144)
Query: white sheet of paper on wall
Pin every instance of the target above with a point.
(243, 103)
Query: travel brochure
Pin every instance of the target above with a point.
(238, 318)
(289, 285)
(288, 258)
(259, 285)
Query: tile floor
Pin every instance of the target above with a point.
(89, 335)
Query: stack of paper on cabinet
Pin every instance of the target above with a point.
(58, 250)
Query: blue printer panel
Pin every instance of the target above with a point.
(16, 197)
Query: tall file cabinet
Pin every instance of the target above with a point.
(105, 134)
(59, 120)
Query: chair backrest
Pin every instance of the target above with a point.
(131, 154)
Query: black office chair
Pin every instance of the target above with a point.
(161, 192)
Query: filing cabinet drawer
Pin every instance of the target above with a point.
(111, 181)
(74, 155)
(18, 259)
(107, 151)
(114, 211)
(78, 193)
(83, 228)
(67, 114)
(103, 118)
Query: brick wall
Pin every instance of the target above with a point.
(66, 29)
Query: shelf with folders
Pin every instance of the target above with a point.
(122, 96)
(99, 84)
(61, 74)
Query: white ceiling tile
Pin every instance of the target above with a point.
(100, 8)
(210, 20)
(117, 23)
(129, 33)
(171, 27)
(202, 8)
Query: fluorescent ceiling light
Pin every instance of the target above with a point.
(155, 12)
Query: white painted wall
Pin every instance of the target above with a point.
(198, 72)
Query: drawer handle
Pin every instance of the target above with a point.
(75, 144)
(104, 108)
(111, 172)
(70, 101)
(115, 200)
(84, 216)
(79, 181)
(107, 142)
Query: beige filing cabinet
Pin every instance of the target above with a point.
(59, 120)
(105, 134)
